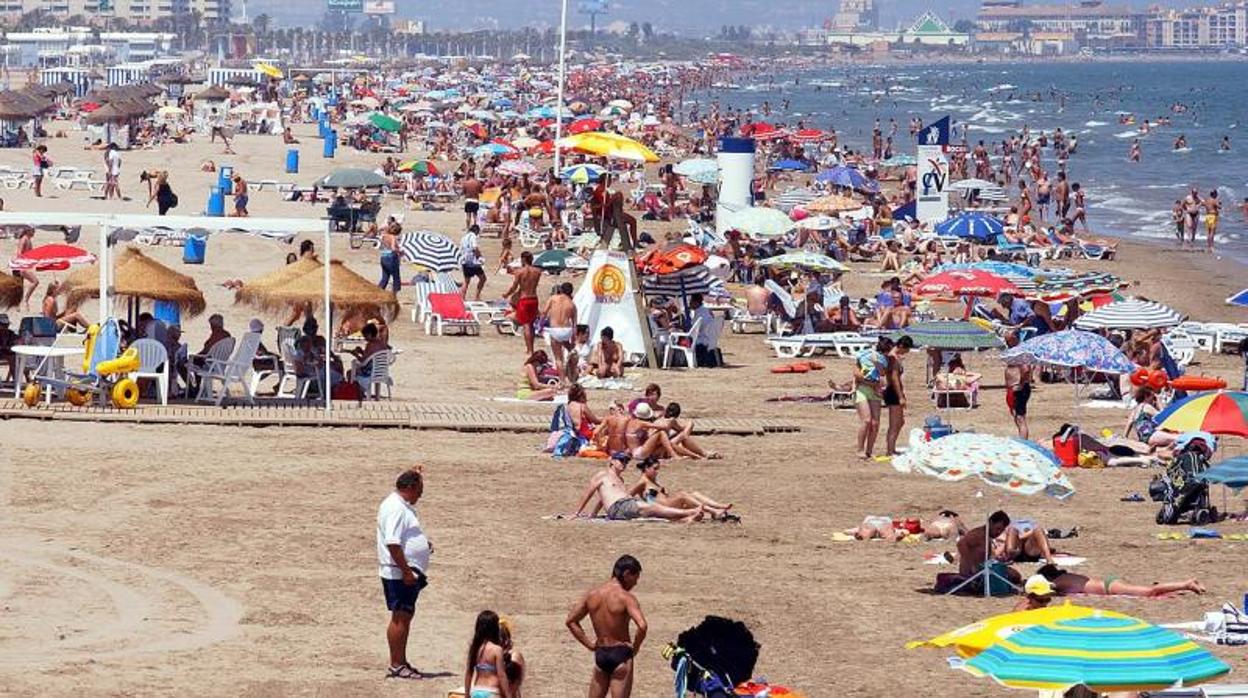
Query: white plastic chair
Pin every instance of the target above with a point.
(288, 373)
(217, 353)
(377, 377)
(229, 372)
(153, 363)
(421, 307)
(676, 343)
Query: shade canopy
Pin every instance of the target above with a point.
(256, 292)
(348, 292)
(139, 276)
(352, 178)
(1130, 314)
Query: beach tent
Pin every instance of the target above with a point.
(608, 298)
(1240, 299)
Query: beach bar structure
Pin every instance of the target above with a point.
(116, 228)
(80, 78)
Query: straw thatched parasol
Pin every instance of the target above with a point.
(10, 291)
(108, 114)
(257, 292)
(139, 276)
(348, 292)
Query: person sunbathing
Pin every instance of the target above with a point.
(879, 527)
(1067, 583)
(539, 379)
(946, 526)
(607, 487)
(644, 436)
(649, 489)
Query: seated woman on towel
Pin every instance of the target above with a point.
(681, 435)
(648, 488)
(1066, 583)
(539, 379)
(583, 419)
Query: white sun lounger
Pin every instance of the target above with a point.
(842, 344)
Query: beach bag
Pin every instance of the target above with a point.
(173, 200)
(347, 391)
(1066, 445)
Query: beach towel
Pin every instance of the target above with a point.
(601, 519)
(596, 383)
(802, 398)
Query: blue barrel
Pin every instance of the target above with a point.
(323, 126)
(292, 161)
(216, 202)
(225, 179)
(314, 113)
(194, 249)
(168, 312)
(331, 144)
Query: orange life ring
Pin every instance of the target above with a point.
(1198, 383)
(1157, 380)
(1139, 377)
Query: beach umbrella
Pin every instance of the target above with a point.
(1240, 299)
(970, 640)
(976, 226)
(793, 198)
(269, 69)
(385, 122)
(850, 177)
(489, 150)
(609, 145)
(559, 260)
(1130, 314)
(1072, 349)
(821, 223)
(831, 204)
(900, 161)
(170, 111)
(686, 282)
(951, 335)
(351, 178)
(620, 104)
(758, 129)
(759, 222)
(808, 135)
(610, 111)
(255, 292)
(789, 165)
(971, 282)
(1105, 654)
(973, 184)
(138, 276)
(1232, 472)
(53, 257)
(1007, 462)
(517, 168)
(584, 125)
(10, 290)
(672, 259)
(430, 250)
(804, 260)
(582, 173)
(695, 166)
(420, 167)
(348, 291)
(1222, 412)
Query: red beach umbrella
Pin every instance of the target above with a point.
(54, 257)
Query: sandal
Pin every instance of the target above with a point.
(407, 671)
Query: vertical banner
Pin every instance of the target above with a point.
(932, 196)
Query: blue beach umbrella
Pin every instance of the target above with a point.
(1071, 349)
(582, 173)
(1232, 472)
(1240, 299)
(851, 177)
(977, 226)
(789, 165)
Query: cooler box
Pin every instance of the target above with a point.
(936, 428)
(194, 249)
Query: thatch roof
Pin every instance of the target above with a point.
(257, 291)
(10, 291)
(214, 93)
(109, 114)
(348, 292)
(139, 276)
(17, 105)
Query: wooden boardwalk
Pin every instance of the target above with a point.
(382, 415)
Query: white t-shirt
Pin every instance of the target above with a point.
(397, 524)
(114, 162)
(469, 252)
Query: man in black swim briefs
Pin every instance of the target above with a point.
(611, 607)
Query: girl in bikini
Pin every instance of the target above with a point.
(482, 676)
(649, 489)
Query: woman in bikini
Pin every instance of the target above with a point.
(645, 437)
(534, 374)
(583, 419)
(681, 435)
(1068, 583)
(649, 489)
(482, 677)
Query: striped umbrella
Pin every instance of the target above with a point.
(686, 282)
(970, 640)
(1103, 653)
(804, 260)
(582, 173)
(1130, 314)
(1223, 412)
(430, 250)
(980, 227)
(951, 335)
(792, 198)
(517, 168)
(1072, 349)
(971, 282)
(1232, 472)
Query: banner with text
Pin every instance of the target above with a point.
(345, 5)
(932, 200)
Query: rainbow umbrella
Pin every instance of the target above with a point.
(420, 167)
(970, 640)
(1104, 653)
(1223, 412)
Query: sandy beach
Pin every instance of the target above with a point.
(144, 560)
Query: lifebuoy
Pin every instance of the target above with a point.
(77, 397)
(1139, 377)
(125, 394)
(1158, 380)
(31, 394)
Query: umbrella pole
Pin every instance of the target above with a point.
(563, 42)
(102, 261)
(985, 574)
(329, 331)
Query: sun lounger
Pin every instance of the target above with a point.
(742, 318)
(448, 310)
(841, 344)
(943, 395)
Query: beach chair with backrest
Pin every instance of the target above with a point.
(448, 310)
(153, 363)
(288, 375)
(682, 343)
(217, 353)
(232, 371)
(378, 375)
(420, 309)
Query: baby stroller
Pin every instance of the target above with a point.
(1181, 494)
(712, 657)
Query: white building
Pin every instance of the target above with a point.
(927, 30)
(53, 47)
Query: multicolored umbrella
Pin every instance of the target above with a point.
(686, 282)
(583, 173)
(804, 260)
(971, 282)
(54, 257)
(1223, 412)
(420, 167)
(832, 204)
(1010, 463)
(975, 225)
(1072, 349)
(517, 168)
(970, 640)
(1105, 654)
(1130, 314)
(760, 222)
(951, 335)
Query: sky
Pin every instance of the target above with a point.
(692, 17)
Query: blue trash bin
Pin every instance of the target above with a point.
(331, 144)
(216, 202)
(292, 161)
(323, 127)
(168, 312)
(225, 175)
(194, 249)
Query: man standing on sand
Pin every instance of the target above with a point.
(112, 172)
(1213, 208)
(1017, 389)
(560, 315)
(524, 287)
(403, 555)
(472, 262)
(240, 196)
(472, 198)
(611, 606)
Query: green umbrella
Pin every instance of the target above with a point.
(384, 122)
(558, 260)
(805, 260)
(351, 178)
(950, 335)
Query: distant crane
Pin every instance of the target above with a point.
(593, 8)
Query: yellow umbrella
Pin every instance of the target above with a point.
(608, 145)
(972, 639)
(269, 69)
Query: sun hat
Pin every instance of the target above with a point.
(643, 411)
(1037, 585)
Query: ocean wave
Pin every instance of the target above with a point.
(1094, 124)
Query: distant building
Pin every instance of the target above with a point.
(927, 30)
(211, 11)
(81, 46)
(1090, 23)
(1203, 28)
(856, 15)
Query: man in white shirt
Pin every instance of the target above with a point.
(403, 555)
(706, 346)
(472, 261)
(112, 176)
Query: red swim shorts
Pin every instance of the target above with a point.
(526, 311)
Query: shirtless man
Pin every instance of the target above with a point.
(608, 489)
(1061, 195)
(611, 607)
(973, 546)
(756, 297)
(524, 287)
(472, 199)
(1018, 378)
(560, 313)
(607, 358)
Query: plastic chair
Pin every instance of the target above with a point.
(378, 375)
(153, 363)
(217, 353)
(232, 371)
(683, 343)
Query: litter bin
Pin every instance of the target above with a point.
(292, 161)
(216, 202)
(225, 175)
(331, 144)
(194, 249)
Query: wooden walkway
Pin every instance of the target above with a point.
(384, 415)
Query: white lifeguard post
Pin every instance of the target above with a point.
(736, 176)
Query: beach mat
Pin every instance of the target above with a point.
(601, 519)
